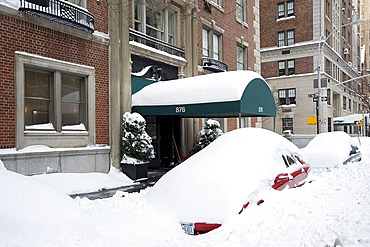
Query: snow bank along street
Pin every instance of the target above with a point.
(332, 210)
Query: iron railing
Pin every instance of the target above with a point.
(155, 43)
(61, 12)
(214, 65)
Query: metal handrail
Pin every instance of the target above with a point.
(61, 12)
(145, 39)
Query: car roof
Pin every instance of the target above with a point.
(216, 181)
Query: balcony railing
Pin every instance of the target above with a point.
(60, 12)
(155, 43)
(214, 65)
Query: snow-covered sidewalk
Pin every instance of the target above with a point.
(332, 210)
(78, 183)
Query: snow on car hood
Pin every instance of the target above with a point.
(214, 183)
(328, 149)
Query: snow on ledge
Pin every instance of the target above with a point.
(43, 148)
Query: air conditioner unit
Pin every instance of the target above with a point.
(343, 9)
(350, 64)
(346, 51)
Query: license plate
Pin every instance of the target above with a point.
(188, 227)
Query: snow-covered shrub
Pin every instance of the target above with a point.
(210, 132)
(136, 146)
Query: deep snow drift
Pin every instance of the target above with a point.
(332, 210)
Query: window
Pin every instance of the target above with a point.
(328, 96)
(287, 96)
(287, 124)
(241, 56)
(327, 66)
(286, 67)
(42, 108)
(81, 3)
(58, 104)
(285, 9)
(218, 2)
(349, 105)
(211, 43)
(327, 33)
(328, 9)
(286, 38)
(156, 21)
(343, 31)
(241, 10)
(344, 103)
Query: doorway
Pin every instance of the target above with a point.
(165, 134)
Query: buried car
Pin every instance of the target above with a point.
(332, 149)
(231, 173)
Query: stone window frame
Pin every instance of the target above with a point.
(212, 29)
(285, 68)
(165, 11)
(243, 10)
(284, 39)
(52, 138)
(285, 9)
(287, 124)
(287, 96)
(244, 49)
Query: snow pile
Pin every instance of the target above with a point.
(215, 183)
(328, 149)
(35, 214)
(75, 183)
(332, 210)
(197, 89)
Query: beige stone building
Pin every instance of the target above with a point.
(291, 33)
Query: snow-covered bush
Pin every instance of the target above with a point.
(210, 132)
(136, 144)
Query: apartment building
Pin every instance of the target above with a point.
(70, 69)
(169, 40)
(229, 33)
(54, 89)
(365, 44)
(297, 38)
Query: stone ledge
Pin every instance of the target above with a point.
(71, 160)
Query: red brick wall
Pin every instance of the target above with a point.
(232, 124)
(233, 29)
(302, 24)
(302, 66)
(100, 12)
(18, 35)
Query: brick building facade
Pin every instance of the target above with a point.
(235, 24)
(41, 56)
(291, 32)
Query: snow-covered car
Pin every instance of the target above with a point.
(332, 149)
(221, 180)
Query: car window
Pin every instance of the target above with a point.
(285, 161)
(289, 160)
(353, 150)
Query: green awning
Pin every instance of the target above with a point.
(225, 94)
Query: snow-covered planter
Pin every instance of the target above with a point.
(210, 132)
(136, 146)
